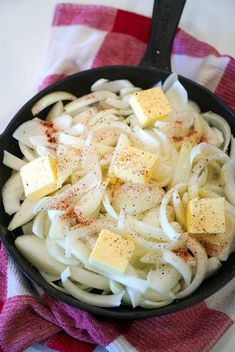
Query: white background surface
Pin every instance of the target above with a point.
(24, 40)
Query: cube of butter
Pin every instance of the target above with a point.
(150, 105)
(112, 252)
(206, 215)
(135, 165)
(39, 177)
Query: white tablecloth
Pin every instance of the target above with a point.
(24, 39)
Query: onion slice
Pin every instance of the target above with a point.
(12, 193)
(227, 173)
(23, 215)
(200, 254)
(12, 161)
(50, 99)
(221, 124)
(87, 297)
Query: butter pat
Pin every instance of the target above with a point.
(150, 105)
(112, 252)
(135, 165)
(39, 177)
(206, 215)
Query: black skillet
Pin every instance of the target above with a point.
(154, 67)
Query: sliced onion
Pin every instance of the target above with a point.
(99, 116)
(108, 207)
(55, 251)
(55, 111)
(42, 150)
(200, 254)
(133, 294)
(87, 100)
(28, 153)
(78, 143)
(77, 129)
(23, 215)
(34, 250)
(63, 122)
(63, 200)
(115, 103)
(147, 304)
(144, 229)
(152, 295)
(152, 245)
(50, 278)
(29, 129)
(111, 86)
(232, 148)
(193, 107)
(50, 99)
(12, 193)
(85, 116)
(152, 257)
(220, 123)
(179, 264)
(38, 141)
(41, 204)
(227, 173)
(125, 196)
(72, 141)
(146, 140)
(180, 211)
(213, 266)
(66, 164)
(90, 202)
(80, 251)
(89, 278)
(12, 161)
(183, 166)
(90, 160)
(91, 298)
(27, 228)
(163, 279)
(169, 81)
(137, 284)
(116, 287)
(58, 228)
(203, 150)
(39, 224)
(122, 144)
(127, 91)
(114, 125)
(177, 96)
(169, 229)
(194, 185)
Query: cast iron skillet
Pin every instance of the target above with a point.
(154, 67)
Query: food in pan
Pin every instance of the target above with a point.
(124, 196)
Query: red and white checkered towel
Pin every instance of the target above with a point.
(91, 36)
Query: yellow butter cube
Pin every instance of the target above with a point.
(150, 105)
(39, 177)
(112, 252)
(206, 215)
(135, 165)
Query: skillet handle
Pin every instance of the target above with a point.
(165, 19)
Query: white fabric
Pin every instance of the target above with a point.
(223, 300)
(18, 285)
(69, 35)
(120, 344)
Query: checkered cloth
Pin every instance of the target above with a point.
(91, 36)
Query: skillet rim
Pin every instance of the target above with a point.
(34, 275)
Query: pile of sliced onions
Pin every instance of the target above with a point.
(88, 135)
